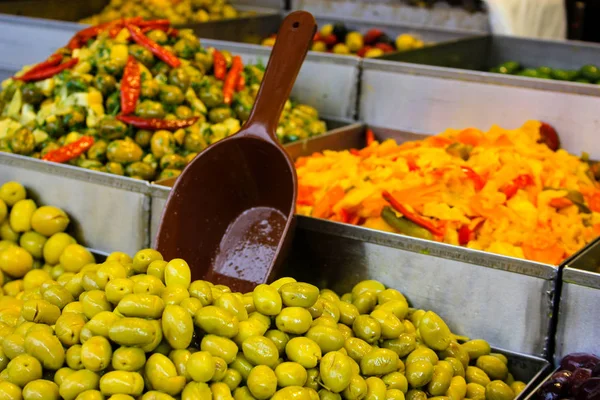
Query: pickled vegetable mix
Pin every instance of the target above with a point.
(510, 192)
(139, 328)
(144, 96)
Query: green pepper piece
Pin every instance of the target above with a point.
(404, 226)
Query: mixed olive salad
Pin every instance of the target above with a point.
(135, 98)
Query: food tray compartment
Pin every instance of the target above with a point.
(108, 212)
(518, 317)
(441, 98)
(579, 317)
(472, 58)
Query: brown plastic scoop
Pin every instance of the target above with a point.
(231, 211)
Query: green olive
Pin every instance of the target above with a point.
(379, 362)
(477, 375)
(457, 389)
(476, 348)
(267, 300)
(211, 96)
(170, 94)
(141, 306)
(294, 320)
(149, 109)
(457, 366)
(132, 332)
(498, 390)
(475, 391)
(46, 348)
(121, 382)
(298, 294)
(215, 320)
(149, 89)
(179, 78)
(111, 128)
(124, 151)
(517, 387)
(41, 389)
(32, 94)
(114, 168)
(23, 369)
(177, 326)
(442, 377)
(162, 143)
(23, 142)
(367, 328)
(105, 83)
(434, 331)
(403, 345)
(260, 350)
(220, 347)
(128, 359)
(142, 54)
(493, 367)
(78, 382)
(457, 351)
(304, 351)
(98, 151)
(357, 348)
(147, 284)
(96, 353)
(419, 373)
(422, 353)
(162, 375)
(326, 337)
(262, 382)
(33, 242)
(376, 389)
(396, 380)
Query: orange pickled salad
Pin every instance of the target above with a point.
(499, 191)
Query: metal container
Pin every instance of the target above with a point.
(396, 12)
(429, 99)
(108, 212)
(505, 300)
(579, 313)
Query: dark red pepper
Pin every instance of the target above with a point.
(466, 234)
(385, 47)
(130, 86)
(520, 182)
(240, 84)
(422, 222)
(549, 137)
(160, 52)
(70, 151)
(52, 61)
(155, 124)
(372, 36)
(86, 34)
(232, 79)
(219, 65)
(48, 72)
(478, 181)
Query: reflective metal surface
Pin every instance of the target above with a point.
(579, 317)
(429, 99)
(108, 212)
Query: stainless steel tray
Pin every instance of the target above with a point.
(578, 326)
(506, 300)
(327, 82)
(108, 212)
(429, 99)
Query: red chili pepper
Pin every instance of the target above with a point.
(330, 39)
(86, 34)
(48, 72)
(232, 78)
(466, 234)
(130, 86)
(520, 182)
(160, 52)
(156, 124)
(363, 51)
(422, 222)
(370, 137)
(478, 181)
(386, 47)
(240, 84)
(52, 61)
(355, 152)
(219, 65)
(70, 151)
(154, 23)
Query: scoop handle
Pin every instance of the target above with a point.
(293, 41)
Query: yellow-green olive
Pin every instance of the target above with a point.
(220, 347)
(348, 313)
(217, 321)
(279, 339)
(96, 353)
(379, 362)
(162, 375)
(128, 359)
(367, 328)
(476, 375)
(304, 351)
(177, 272)
(298, 294)
(177, 326)
(262, 382)
(260, 350)
(267, 300)
(290, 374)
(78, 382)
(121, 382)
(232, 378)
(391, 326)
(141, 306)
(434, 331)
(493, 367)
(475, 391)
(476, 348)
(132, 332)
(326, 337)
(498, 390)
(46, 348)
(442, 377)
(419, 373)
(41, 390)
(457, 389)
(376, 389)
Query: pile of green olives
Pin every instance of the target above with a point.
(140, 328)
(33, 239)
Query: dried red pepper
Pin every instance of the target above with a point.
(48, 72)
(240, 84)
(520, 182)
(70, 151)
(155, 124)
(130, 86)
(159, 51)
(466, 233)
(477, 180)
(232, 78)
(86, 34)
(422, 222)
(370, 137)
(52, 61)
(219, 65)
